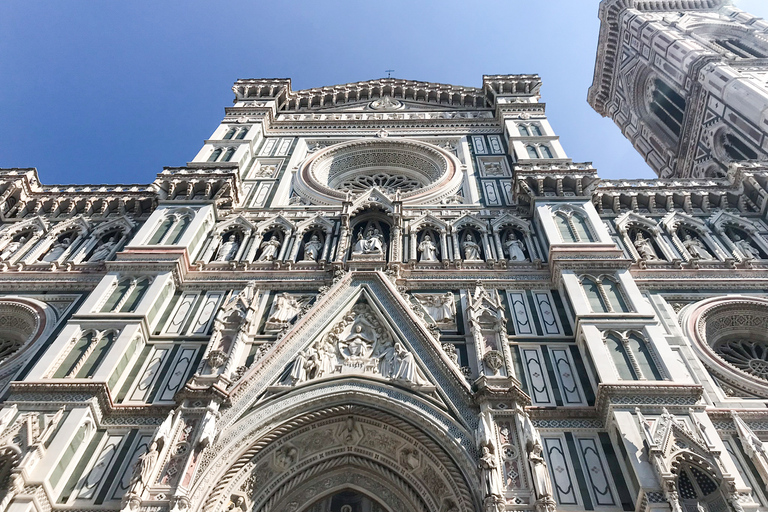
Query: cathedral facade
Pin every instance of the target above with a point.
(386, 296)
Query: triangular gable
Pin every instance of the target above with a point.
(393, 312)
(373, 197)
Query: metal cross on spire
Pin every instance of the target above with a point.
(389, 72)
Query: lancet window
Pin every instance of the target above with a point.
(86, 354)
(172, 228)
(632, 357)
(573, 227)
(126, 295)
(604, 295)
(668, 106)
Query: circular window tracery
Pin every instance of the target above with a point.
(419, 172)
(387, 182)
(748, 356)
(730, 336)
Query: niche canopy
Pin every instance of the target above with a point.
(422, 173)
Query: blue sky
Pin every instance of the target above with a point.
(110, 92)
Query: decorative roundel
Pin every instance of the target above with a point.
(730, 335)
(419, 173)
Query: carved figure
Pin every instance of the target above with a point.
(57, 249)
(286, 457)
(490, 471)
(208, 425)
(228, 249)
(746, 247)
(12, 247)
(269, 249)
(696, 249)
(285, 309)
(406, 366)
(644, 247)
(357, 343)
(428, 249)
(326, 358)
(236, 503)
(372, 243)
(142, 470)
(515, 248)
(103, 251)
(440, 307)
(471, 249)
(312, 248)
(388, 361)
(541, 481)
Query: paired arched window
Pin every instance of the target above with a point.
(527, 130)
(126, 295)
(87, 353)
(171, 229)
(604, 295)
(538, 151)
(668, 106)
(573, 227)
(632, 357)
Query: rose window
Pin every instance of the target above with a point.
(387, 182)
(747, 356)
(417, 172)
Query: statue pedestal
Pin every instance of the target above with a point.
(373, 256)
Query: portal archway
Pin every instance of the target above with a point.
(353, 437)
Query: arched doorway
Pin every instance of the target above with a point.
(346, 500)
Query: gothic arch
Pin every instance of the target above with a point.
(349, 424)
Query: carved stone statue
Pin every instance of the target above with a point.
(471, 249)
(428, 249)
(696, 248)
(57, 249)
(746, 247)
(312, 248)
(269, 249)
(208, 430)
(103, 251)
(441, 307)
(142, 470)
(541, 481)
(285, 309)
(12, 247)
(515, 248)
(228, 249)
(357, 344)
(406, 366)
(644, 247)
(372, 243)
(491, 474)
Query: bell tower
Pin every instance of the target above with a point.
(686, 81)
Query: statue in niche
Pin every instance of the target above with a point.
(515, 248)
(490, 471)
(57, 249)
(12, 247)
(228, 248)
(312, 248)
(372, 243)
(208, 426)
(440, 307)
(269, 249)
(142, 470)
(746, 247)
(696, 248)
(644, 247)
(103, 251)
(428, 249)
(471, 249)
